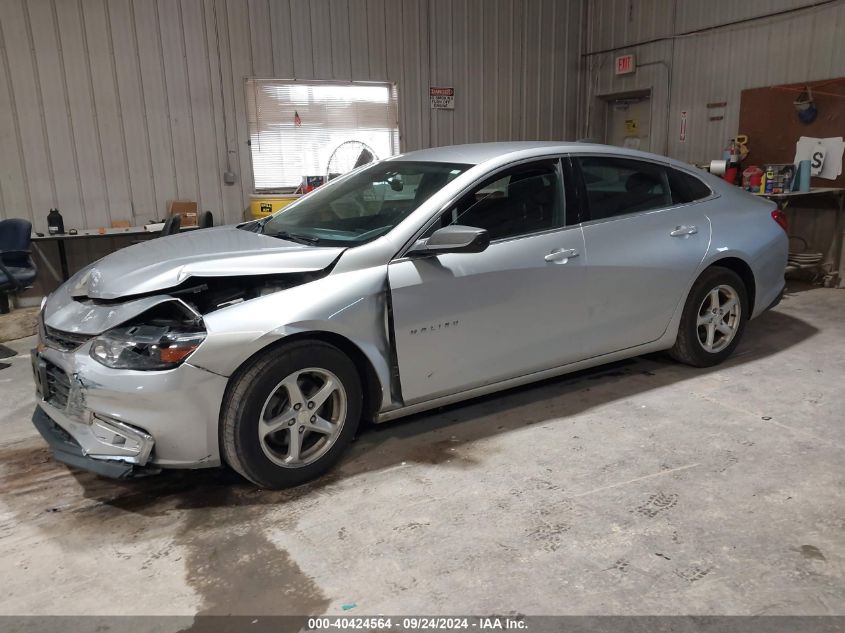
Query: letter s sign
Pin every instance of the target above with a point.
(817, 160)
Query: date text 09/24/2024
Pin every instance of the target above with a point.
(421, 623)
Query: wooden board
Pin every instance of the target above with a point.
(769, 118)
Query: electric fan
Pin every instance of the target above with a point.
(347, 156)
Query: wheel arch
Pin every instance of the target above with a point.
(741, 268)
(730, 261)
(371, 385)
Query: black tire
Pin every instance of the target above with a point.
(688, 348)
(250, 389)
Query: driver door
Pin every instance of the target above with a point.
(464, 320)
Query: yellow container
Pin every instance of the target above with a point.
(260, 206)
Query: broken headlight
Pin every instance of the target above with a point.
(146, 347)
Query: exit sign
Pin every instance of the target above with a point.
(625, 64)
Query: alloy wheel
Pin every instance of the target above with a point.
(302, 417)
(718, 318)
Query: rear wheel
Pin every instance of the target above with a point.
(713, 319)
(288, 418)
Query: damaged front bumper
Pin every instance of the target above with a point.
(121, 423)
(76, 450)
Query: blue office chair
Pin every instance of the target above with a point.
(17, 270)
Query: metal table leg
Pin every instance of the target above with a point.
(840, 237)
(63, 258)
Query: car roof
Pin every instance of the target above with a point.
(477, 153)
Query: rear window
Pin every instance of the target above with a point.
(686, 188)
(618, 186)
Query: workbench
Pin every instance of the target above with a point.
(62, 238)
(836, 253)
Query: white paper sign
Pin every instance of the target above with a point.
(830, 158)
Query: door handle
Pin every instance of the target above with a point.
(683, 231)
(561, 255)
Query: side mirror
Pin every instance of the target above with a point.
(453, 239)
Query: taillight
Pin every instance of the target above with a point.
(780, 217)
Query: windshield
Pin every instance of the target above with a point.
(363, 206)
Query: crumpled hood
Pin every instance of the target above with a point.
(166, 262)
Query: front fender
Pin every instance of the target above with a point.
(351, 305)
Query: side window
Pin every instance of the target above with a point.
(686, 188)
(616, 186)
(520, 201)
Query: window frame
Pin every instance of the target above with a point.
(562, 182)
(249, 96)
(584, 203)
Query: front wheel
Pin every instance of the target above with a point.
(288, 418)
(713, 319)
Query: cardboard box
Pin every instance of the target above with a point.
(186, 208)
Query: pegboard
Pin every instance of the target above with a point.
(768, 117)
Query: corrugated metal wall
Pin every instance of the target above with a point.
(695, 69)
(514, 66)
(109, 108)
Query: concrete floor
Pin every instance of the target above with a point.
(646, 487)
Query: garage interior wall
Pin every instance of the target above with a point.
(690, 53)
(109, 108)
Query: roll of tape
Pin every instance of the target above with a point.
(718, 167)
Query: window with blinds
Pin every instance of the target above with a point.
(296, 128)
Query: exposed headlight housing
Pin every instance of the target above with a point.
(145, 347)
(152, 342)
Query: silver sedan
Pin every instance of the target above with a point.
(415, 282)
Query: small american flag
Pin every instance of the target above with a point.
(296, 120)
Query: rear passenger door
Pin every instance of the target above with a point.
(644, 240)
